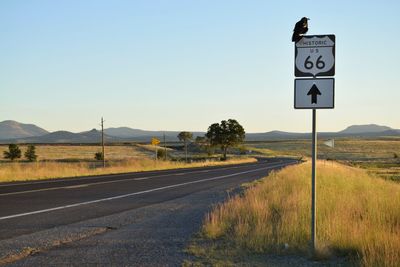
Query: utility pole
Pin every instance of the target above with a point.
(165, 149)
(186, 153)
(102, 142)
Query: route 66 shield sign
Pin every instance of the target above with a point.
(315, 56)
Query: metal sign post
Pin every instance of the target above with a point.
(102, 143)
(314, 56)
(155, 142)
(314, 181)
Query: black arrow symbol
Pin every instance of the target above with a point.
(314, 91)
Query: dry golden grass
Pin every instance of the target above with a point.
(345, 149)
(152, 147)
(77, 152)
(357, 215)
(378, 156)
(20, 171)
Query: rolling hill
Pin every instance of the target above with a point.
(11, 129)
(143, 135)
(14, 132)
(58, 137)
(368, 128)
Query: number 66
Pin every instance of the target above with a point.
(309, 64)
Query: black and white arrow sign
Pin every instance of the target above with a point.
(314, 93)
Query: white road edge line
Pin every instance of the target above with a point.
(99, 183)
(59, 180)
(133, 194)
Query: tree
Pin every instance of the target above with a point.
(13, 152)
(161, 154)
(98, 156)
(185, 137)
(201, 141)
(204, 144)
(226, 134)
(30, 153)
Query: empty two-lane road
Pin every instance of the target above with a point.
(30, 207)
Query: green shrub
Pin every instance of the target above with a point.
(161, 153)
(13, 152)
(30, 153)
(98, 156)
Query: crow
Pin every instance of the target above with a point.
(300, 28)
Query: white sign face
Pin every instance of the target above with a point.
(330, 143)
(315, 56)
(314, 93)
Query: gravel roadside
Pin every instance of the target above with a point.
(154, 235)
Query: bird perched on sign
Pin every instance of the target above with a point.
(300, 28)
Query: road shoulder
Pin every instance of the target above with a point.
(155, 235)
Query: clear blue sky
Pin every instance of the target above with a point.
(182, 65)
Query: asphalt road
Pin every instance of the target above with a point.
(33, 207)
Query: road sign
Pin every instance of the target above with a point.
(315, 56)
(155, 141)
(330, 143)
(314, 93)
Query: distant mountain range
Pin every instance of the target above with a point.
(93, 136)
(15, 132)
(143, 135)
(12, 129)
(369, 128)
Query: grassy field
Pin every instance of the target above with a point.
(57, 161)
(81, 152)
(358, 216)
(345, 149)
(22, 171)
(379, 156)
(59, 152)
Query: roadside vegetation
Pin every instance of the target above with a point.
(225, 135)
(57, 161)
(185, 137)
(379, 156)
(13, 152)
(73, 153)
(23, 171)
(358, 217)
